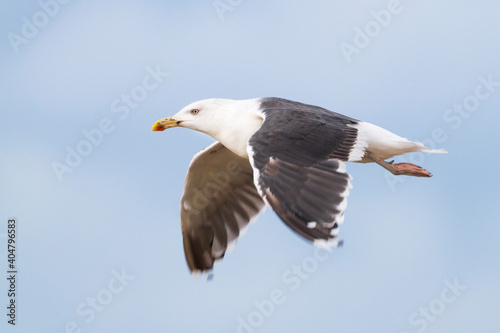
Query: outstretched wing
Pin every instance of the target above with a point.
(218, 203)
(297, 159)
(309, 199)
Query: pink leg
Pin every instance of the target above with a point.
(400, 168)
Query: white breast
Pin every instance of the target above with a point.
(242, 122)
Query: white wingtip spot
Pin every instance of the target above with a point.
(342, 167)
(345, 194)
(342, 206)
(311, 225)
(231, 245)
(340, 219)
(326, 244)
(203, 275)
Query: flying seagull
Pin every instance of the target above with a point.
(278, 152)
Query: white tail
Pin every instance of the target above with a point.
(383, 144)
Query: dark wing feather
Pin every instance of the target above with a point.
(312, 203)
(219, 201)
(304, 134)
(297, 156)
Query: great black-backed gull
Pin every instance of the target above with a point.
(283, 153)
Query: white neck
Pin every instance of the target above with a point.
(241, 120)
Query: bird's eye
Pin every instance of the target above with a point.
(195, 111)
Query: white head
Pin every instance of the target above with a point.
(231, 122)
(207, 116)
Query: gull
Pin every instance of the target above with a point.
(280, 153)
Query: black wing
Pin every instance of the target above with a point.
(305, 134)
(297, 158)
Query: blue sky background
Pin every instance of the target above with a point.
(405, 239)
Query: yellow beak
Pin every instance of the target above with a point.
(165, 123)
